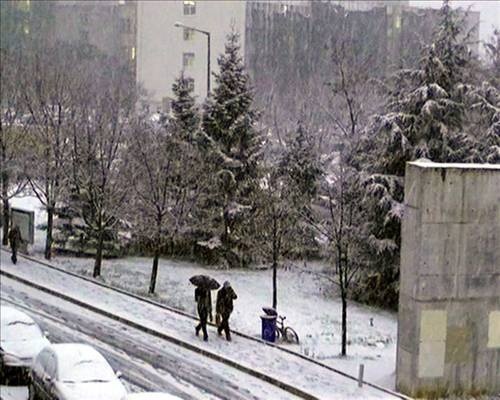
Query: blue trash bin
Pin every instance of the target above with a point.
(268, 327)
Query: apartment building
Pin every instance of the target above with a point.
(109, 26)
(166, 46)
(284, 39)
(366, 5)
(106, 27)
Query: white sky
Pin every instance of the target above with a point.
(489, 9)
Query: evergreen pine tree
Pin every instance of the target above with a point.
(484, 107)
(302, 165)
(232, 146)
(184, 109)
(425, 118)
(301, 171)
(493, 51)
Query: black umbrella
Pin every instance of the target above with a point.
(205, 282)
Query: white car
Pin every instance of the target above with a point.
(151, 396)
(73, 371)
(20, 341)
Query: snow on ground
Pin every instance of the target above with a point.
(301, 297)
(13, 393)
(309, 377)
(309, 303)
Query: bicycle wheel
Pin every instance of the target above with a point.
(278, 334)
(291, 336)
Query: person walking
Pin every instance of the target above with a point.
(14, 240)
(224, 308)
(203, 298)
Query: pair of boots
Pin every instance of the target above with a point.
(224, 326)
(205, 335)
(228, 335)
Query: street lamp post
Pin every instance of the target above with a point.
(181, 25)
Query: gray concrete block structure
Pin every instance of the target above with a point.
(449, 302)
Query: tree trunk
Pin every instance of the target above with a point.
(225, 234)
(172, 246)
(344, 322)
(275, 286)
(343, 294)
(275, 265)
(48, 239)
(98, 256)
(6, 220)
(154, 271)
(5, 193)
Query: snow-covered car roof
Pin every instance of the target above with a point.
(20, 336)
(151, 396)
(80, 362)
(11, 314)
(16, 326)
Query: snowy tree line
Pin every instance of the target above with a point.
(365, 128)
(227, 183)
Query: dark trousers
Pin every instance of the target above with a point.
(14, 255)
(224, 326)
(203, 314)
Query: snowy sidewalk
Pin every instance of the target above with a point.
(311, 304)
(310, 378)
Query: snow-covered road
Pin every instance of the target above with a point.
(311, 378)
(146, 362)
(310, 302)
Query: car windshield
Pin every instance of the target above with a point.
(20, 331)
(85, 371)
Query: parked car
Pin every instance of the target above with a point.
(151, 396)
(21, 339)
(73, 371)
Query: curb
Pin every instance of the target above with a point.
(273, 381)
(183, 313)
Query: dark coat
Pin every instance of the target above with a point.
(225, 297)
(15, 238)
(203, 297)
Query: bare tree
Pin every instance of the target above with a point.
(47, 90)
(339, 215)
(98, 135)
(338, 218)
(278, 215)
(290, 184)
(164, 186)
(12, 133)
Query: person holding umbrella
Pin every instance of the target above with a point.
(203, 298)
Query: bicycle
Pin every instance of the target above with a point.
(287, 333)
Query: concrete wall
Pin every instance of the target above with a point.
(160, 45)
(449, 306)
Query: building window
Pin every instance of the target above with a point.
(189, 7)
(166, 104)
(190, 82)
(132, 53)
(126, 25)
(24, 5)
(188, 34)
(397, 22)
(84, 36)
(84, 18)
(187, 59)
